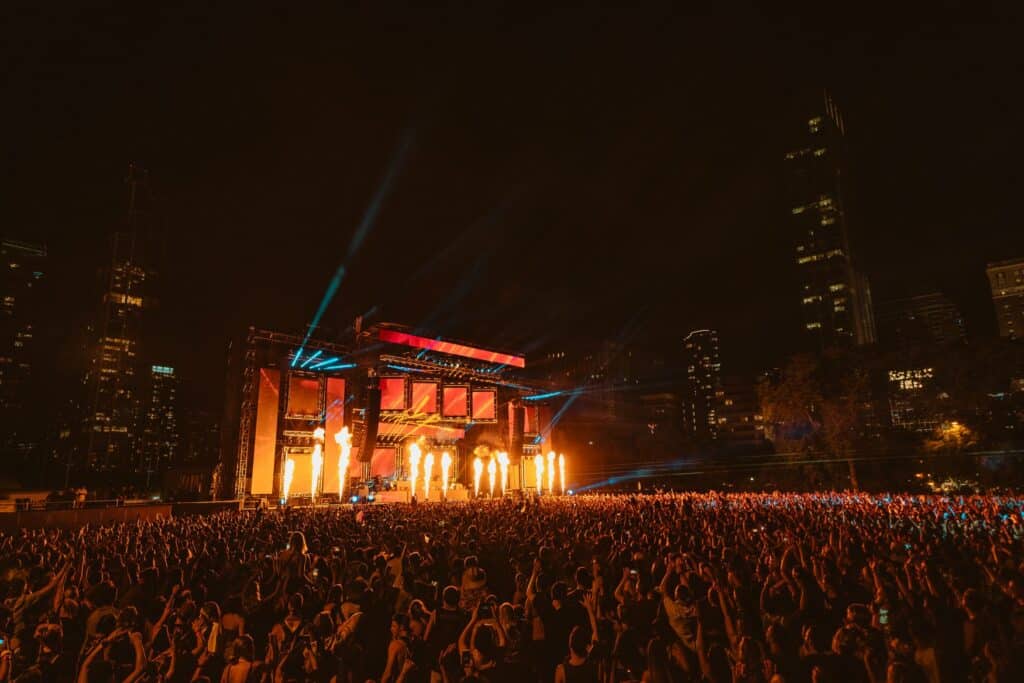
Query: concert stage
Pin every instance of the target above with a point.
(391, 388)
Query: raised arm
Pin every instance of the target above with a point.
(464, 638)
(140, 658)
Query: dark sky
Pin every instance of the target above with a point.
(569, 172)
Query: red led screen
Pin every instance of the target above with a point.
(265, 443)
(333, 424)
(529, 419)
(483, 405)
(456, 400)
(303, 397)
(392, 393)
(450, 348)
(382, 464)
(424, 397)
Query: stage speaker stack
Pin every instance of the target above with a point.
(518, 425)
(371, 420)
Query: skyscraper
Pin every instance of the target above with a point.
(1006, 278)
(158, 443)
(703, 380)
(920, 321)
(116, 374)
(22, 267)
(835, 296)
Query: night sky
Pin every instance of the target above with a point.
(566, 173)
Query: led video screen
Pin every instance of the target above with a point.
(303, 397)
(424, 397)
(484, 405)
(262, 473)
(456, 401)
(530, 419)
(332, 425)
(392, 393)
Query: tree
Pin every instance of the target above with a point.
(842, 412)
(788, 402)
(819, 403)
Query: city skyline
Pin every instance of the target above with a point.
(491, 164)
(763, 201)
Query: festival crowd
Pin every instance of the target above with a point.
(664, 588)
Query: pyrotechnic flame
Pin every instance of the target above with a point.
(446, 466)
(318, 466)
(551, 471)
(428, 464)
(538, 468)
(492, 471)
(478, 470)
(561, 471)
(318, 461)
(414, 466)
(344, 440)
(503, 464)
(289, 472)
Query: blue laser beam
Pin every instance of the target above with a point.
(365, 225)
(311, 358)
(343, 366)
(295, 358)
(325, 362)
(541, 397)
(401, 368)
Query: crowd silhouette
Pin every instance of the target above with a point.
(662, 588)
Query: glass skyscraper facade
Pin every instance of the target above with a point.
(835, 296)
(703, 381)
(22, 269)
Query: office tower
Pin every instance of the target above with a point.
(1006, 278)
(924, 320)
(116, 375)
(910, 390)
(22, 267)
(158, 443)
(740, 421)
(703, 381)
(835, 296)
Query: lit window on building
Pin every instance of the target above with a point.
(910, 380)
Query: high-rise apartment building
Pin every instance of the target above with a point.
(835, 296)
(703, 380)
(22, 267)
(1006, 278)
(920, 321)
(158, 443)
